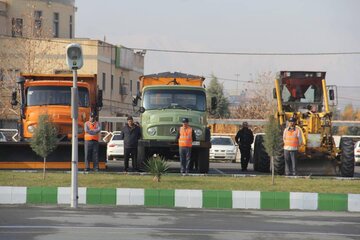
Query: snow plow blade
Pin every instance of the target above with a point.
(19, 155)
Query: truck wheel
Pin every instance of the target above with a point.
(347, 157)
(203, 160)
(261, 158)
(142, 158)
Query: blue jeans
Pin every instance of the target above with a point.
(290, 162)
(185, 155)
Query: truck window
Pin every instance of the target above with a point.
(174, 98)
(55, 95)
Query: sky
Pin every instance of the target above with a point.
(248, 26)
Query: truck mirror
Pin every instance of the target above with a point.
(213, 103)
(274, 93)
(14, 101)
(331, 94)
(141, 109)
(135, 101)
(99, 99)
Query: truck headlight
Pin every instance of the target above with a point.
(31, 129)
(151, 131)
(198, 132)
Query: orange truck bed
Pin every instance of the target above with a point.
(171, 79)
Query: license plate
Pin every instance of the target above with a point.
(196, 143)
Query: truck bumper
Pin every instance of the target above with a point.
(172, 145)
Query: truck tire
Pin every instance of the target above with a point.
(261, 158)
(347, 157)
(203, 159)
(142, 158)
(279, 160)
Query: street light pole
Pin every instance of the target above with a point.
(74, 150)
(75, 62)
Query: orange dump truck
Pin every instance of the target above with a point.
(51, 94)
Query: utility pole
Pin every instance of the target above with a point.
(75, 62)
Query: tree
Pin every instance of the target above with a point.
(257, 102)
(216, 89)
(273, 141)
(350, 114)
(26, 52)
(44, 139)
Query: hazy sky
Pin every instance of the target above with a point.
(282, 26)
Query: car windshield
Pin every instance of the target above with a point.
(55, 95)
(221, 141)
(174, 98)
(116, 137)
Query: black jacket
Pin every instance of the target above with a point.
(131, 136)
(244, 138)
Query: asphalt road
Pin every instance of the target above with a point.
(55, 223)
(216, 168)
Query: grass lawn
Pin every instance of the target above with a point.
(174, 181)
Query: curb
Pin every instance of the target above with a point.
(185, 198)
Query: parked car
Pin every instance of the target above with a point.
(223, 147)
(357, 153)
(2, 137)
(115, 147)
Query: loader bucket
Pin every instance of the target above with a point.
(317, 166)
(19, 155)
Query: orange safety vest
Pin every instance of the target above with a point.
(185, 138)
(291, 138)
(91, 126)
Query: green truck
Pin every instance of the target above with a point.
(167, 98)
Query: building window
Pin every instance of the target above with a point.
(17, 27)
(112, 82)
(56, 25)
(120, 85)
(103, 81)
(130, 86)
(71, 27)
(37, 23)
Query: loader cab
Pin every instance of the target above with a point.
(301, 91)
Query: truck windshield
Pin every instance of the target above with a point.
(174, 98)
(55, 95)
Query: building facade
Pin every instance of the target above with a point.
(33, 39)
(37, 18)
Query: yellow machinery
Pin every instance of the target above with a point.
(305, 96)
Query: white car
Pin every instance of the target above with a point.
(2, 137)
(357, 152)
(223, 147)
(115, 147)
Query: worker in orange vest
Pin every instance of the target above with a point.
(92, 129)
(292, 140)
(185, 137)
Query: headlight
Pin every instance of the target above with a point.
(31, 129)
(198, 132)
(152, 131)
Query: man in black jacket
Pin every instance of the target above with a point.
(244, 138)
(131, 134)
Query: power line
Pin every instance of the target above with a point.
(109, 45)
(248, 53)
